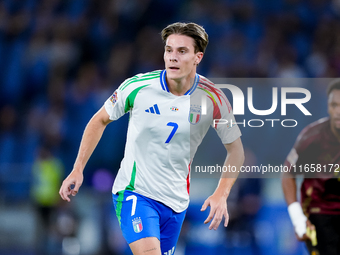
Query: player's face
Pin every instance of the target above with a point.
(180, 57)
(334, 109)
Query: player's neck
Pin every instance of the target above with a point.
(179, 87)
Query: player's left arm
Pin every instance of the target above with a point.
(218, 200)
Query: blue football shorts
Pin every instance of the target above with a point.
(141, 217)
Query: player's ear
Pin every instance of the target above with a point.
(199, 56)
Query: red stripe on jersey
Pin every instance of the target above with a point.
(206, 80)
(217, 112)
(188, 179)
(197, 118)
(219, 94)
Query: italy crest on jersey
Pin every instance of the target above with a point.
(137, 225)
(195, 114)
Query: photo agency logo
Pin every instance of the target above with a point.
(239, 106)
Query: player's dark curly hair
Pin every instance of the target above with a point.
(193, 30)
(335, 84)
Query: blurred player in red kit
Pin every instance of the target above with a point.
(316, 155)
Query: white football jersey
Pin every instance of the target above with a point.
(163, 134)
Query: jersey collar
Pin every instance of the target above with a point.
(165, 87)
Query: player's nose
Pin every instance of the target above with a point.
(173, 57)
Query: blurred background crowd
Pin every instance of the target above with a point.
(61, 59)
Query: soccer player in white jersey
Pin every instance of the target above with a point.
(151, 191)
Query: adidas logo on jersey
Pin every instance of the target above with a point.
(153, 109)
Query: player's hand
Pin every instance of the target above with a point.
(218, 209)
(75, 179)
(306, 237)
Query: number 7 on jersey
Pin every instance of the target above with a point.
(174, 129)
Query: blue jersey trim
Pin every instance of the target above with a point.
(165, 87)
(194, 86)
(163, 81)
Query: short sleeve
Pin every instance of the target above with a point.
(115, 105)
(224, 120)
(122, 100)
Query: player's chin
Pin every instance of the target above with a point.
(175, 77)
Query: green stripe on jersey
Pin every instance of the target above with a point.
(137, 80)
(148, 76)
(120, 198)
(152, 73)
(131, 185)
(119, 205)
(130, 100)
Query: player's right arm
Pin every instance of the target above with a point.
(121, 101)
(289, 188)
(91, 136)
(296, 156)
